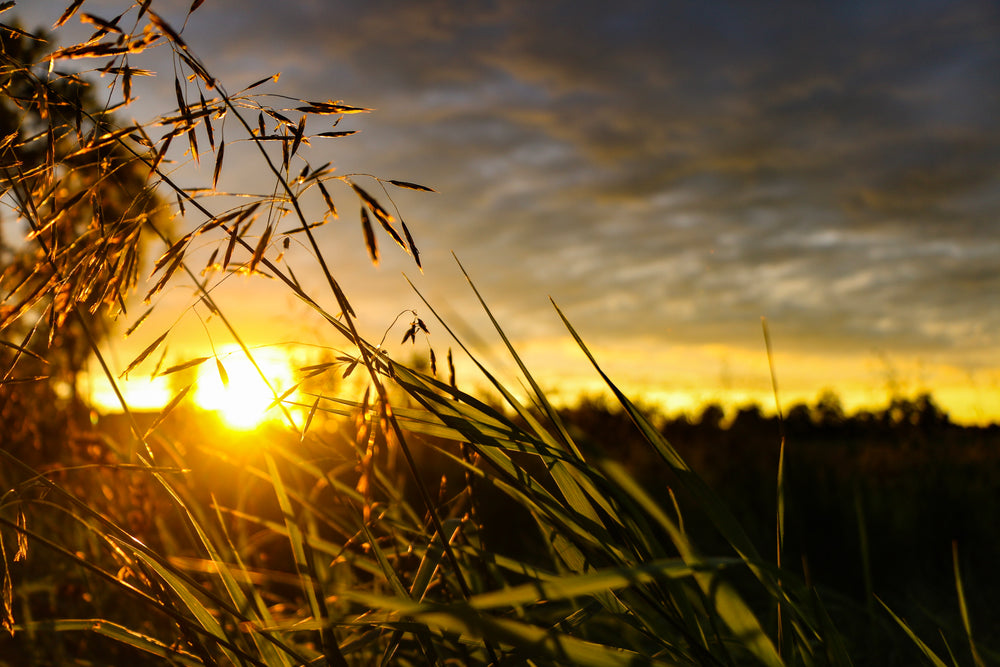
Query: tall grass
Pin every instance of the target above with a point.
(365, 530)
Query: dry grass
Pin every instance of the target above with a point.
(329, 545)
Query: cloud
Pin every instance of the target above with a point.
(675, 166)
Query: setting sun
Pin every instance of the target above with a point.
(235, 389)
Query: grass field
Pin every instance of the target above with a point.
(413, 523)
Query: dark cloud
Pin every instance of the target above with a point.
(682, 165)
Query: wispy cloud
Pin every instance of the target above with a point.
(677, 167)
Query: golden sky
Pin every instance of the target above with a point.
(668, 173)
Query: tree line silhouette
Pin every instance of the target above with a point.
(874, 499)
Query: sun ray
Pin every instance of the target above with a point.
(235, 390)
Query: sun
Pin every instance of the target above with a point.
(237, 392)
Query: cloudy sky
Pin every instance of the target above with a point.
(668, 172)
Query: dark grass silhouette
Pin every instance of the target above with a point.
(413, 523)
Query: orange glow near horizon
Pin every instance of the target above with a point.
(675, 380)
(683, 379)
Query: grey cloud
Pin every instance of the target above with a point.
(675, 165)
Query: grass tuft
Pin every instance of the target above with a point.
(373, 526)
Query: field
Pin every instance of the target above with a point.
(411, 521)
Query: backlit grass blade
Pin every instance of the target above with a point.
(302, 563)
(201, 613)
(577, 585)
(188, 591)
(680, 627)
(253, 604)
(559, 512)
(191, 624)
(730, 607)
(386, 567)
(575, 486)
(240, 603)
(168, 408)
(118, 633)
(335, 520)
(452, 413)
(525, 641)
(550, 412)
(830, 635)
(963, 608)
(719, 514)
(556, 513)
(706, 499)
(325, 547)
(924, 648)
(568, 475)
(431, 560)
(559, 519)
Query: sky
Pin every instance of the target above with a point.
(667, 172)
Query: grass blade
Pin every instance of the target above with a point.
(303, 564)
(924, 648)
(964, 609)
(118, 633)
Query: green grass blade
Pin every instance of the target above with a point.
(200, 625)
(118, 633)
(550, 412)
(575, 488)
(263, 617)
(720, 515)
(866, 563)
(571, 477)
(924, 648)
(578, 585)
(202, 614)
(530, 642)
(385, 566)
(303, 565)
(731, 608)
(430, 560)
(318, 545)
(831, 637)
(245, 611)
(964, 609)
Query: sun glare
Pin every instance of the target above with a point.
(238, 393)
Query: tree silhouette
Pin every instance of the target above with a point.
(828, 411)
